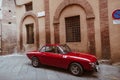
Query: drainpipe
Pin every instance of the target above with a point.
(1, 36)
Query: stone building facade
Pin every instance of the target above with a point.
(8, 32)
(85, 25)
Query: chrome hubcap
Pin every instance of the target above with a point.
(35, 62)
(75, 69)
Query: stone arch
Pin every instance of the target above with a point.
(90, 21)
(36, 25)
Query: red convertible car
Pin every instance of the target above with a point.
(61, 56)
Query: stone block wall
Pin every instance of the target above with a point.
(8, 27)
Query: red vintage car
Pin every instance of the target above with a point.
(61, 56)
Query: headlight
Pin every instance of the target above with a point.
(92, 64)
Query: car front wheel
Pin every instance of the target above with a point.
(35, 62)
(76, 69)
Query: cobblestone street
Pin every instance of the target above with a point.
(18, 67)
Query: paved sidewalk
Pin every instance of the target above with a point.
(20, 68)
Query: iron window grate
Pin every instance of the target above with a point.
(73, 33)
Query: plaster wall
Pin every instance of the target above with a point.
(114, 31)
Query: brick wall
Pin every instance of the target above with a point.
(47, 21)
(104, 25)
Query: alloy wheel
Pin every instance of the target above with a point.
(35, 62)
(76, 69)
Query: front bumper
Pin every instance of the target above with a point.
(95, 66)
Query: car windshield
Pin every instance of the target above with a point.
(65, 48)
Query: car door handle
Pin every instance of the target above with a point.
(64, 56)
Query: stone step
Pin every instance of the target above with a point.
(105, 61)
(116, 64)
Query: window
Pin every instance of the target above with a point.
(29, 6)
(51, 49)
(73, 33)
(48, 49)
(58, 50)
(42, 49)
(30, 33)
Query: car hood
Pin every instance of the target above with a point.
(84, 56)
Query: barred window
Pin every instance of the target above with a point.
(73, 33)
(29, 6)
(30, 33)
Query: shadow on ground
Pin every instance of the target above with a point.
(88, 74)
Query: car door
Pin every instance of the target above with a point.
(46, 54)
(52, 57)
(64, 60)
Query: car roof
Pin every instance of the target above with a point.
(52, 44)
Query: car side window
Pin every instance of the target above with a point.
(42, 49)
(58, 50)
(51, 49)
(48, 49)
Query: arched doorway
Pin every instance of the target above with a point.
(32, 17)
(89, 20)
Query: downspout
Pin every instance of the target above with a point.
(1, 26)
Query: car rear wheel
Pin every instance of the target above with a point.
(76, 69)
(35, 62)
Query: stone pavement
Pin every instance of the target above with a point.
(18, 67)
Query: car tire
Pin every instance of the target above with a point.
(35, 62)
(76, 69)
